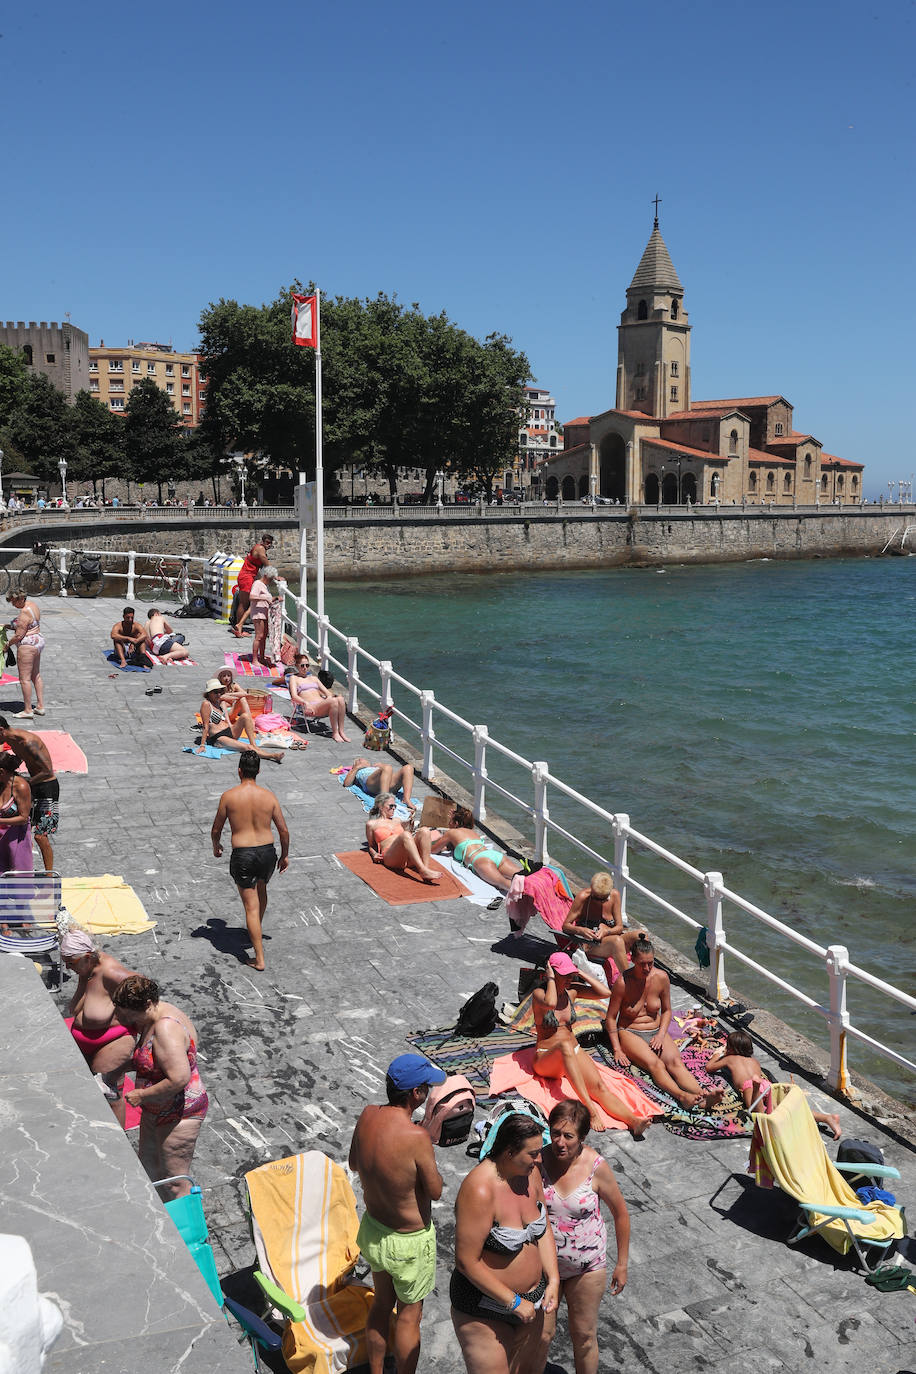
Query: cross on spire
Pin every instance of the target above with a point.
(656, 202)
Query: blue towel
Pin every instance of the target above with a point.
(111, 657)
(874, 1194)
(209, 752)
(401, 813)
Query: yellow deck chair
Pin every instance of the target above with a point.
(787, 1152)
(304, 1224)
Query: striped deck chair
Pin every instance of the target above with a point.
(304, 1224)
(31, 915)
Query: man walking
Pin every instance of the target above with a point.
(397, 1170)
(251, 811)
(31, 750)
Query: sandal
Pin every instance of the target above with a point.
(299, 744)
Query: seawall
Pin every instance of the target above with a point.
(382, 546)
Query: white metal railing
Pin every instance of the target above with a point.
(163, 567)
(358, 668)
(94, 515)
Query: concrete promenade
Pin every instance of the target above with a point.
(290, 1056)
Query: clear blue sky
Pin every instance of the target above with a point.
(497, 161)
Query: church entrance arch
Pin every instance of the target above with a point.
(553, 488)
(569, 488)
(689, 488)
(652, 491)
(613, 468)
(669, 489)
(583, 485)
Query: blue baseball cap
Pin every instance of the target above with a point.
(413, 1071)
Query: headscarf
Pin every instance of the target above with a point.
(75, 943)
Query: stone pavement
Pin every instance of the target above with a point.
(290, 1056)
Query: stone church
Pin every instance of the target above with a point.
(659, 445)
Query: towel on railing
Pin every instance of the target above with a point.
(546, 892)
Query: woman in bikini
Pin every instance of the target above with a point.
(559, 1054)
(172, 1100)
(505, 1278)
(476, 852)
(576, 1181)
(391, 844)
(28, 641)
(15, 812)
(103, 1040)
(235, 698)
(595, 919)
(218, 730)
(315, 701)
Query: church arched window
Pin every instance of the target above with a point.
(752, 481)
(855, 482)
(733, 441)
(807, 464)
(770, 481)
(839, 482)
(674, 307)
(823, 481)
(787, 482)
(642, 311)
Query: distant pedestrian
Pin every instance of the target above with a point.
(251, 812)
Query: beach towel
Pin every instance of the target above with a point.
(589, 1015)
(66, 755)
(515, 1073)
(105, 905)
(480, 893)
(402, 812)
(111, 657)
(397, 888)
(242, 667)
(546, 892)
(208, 752)
(172, 663)
(269, 721)
(7, 678)
(471, 1055)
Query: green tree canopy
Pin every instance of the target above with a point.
(40, 427)
(14, 376)
(98, 438)
(152, 435)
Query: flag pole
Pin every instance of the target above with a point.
(319, 492)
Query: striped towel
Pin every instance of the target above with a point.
(173, 663)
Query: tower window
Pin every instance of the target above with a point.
(777, 428)
(27, 353)
(674, 393)
(674, 308)
(640, 369)
(642, 311)
(733, 441)
(807, 464)
(675, 369)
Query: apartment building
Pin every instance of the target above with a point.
(538, 437)
(114, 372)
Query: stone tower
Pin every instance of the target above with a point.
(653, 337)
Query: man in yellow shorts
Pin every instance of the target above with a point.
(397, 1170)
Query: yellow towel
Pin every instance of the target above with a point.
(106, 905)
(786, 1149)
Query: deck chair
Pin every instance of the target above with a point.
(188, 1215)
(31, 911)
(787, 1152)
(304, 1224)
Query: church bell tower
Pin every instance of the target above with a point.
(653, 337)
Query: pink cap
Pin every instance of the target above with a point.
(561, 963)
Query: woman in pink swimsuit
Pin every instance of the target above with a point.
(172, 1099)
(576, 1181)
(103, 1041)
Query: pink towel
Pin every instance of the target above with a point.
(541, 892)
(269, 720)
(515, 1071)
(66, 755)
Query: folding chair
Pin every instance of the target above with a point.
(304, 1224)
(300, 721)
(787, 1152)
(31, 915)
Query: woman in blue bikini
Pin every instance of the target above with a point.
(475, 851)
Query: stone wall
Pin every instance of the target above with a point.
(388, 548)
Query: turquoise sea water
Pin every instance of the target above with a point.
(757, 719)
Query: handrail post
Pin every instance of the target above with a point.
(62, 554)
(185, 578)
(352, 675)
(539, 772)
(480, 735)
(323, 623)
(131, 572)
(384, 669)
(717, 988)
(620, 827)
(837, 966)
(427, 703)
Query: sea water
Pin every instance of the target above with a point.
(758, 719)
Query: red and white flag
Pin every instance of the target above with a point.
(305, 321)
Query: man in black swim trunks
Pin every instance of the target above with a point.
(33, 752)
(251, 811)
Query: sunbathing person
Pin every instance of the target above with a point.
(129, 640)
(391, 844)
(559, 1053)
(235, 699)
(476, 852)
(384, 777)
(595, 919)
(316, 702)
(218, 731)
(163, 641)
(748, 1078)
(637, 1027)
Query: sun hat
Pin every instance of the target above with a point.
(214, 685)
(413, 1071)
(561, 963)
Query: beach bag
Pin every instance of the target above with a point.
(196, 609)
(450, 1111)
(860, 1152)
(488, 1130)
(478, 1016)
(378, 735)
(437, 813)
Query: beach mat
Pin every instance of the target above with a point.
(402, 812)
(66, 755)
(471, 1055)
(725, 1120)
(399, 889)
(589, 1015)
(244, 668)
(174, 663)
(515, 1073)
(104, 905)
(111, 657)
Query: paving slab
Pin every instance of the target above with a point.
(291, 1056)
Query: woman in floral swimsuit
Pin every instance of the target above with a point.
(172, 1100)
(576, 1181)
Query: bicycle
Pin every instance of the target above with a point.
(170, 582)
(85, 578)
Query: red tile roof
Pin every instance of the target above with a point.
(579, 420)
(699, 417)
(736, 401)
(685, 449)
(757, 455)
(831, 460)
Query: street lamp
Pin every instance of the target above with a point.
(62, 466)
(440, 478)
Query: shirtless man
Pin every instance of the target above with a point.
(384, 777)
(129, 640)
(251, 811)
(31, 750)
(397, 1169)
(315, 701)
(637, 1023)
(161, 640)
(595, 919)
(106, 1045)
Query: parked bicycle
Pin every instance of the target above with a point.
(85, 577)
(170, 582)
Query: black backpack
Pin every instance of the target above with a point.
(196, 609)
(478, 1016)
(860, 1152)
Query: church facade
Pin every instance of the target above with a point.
(660, 446)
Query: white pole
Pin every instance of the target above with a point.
(319, 472)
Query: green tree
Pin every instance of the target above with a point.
(41, 427)
(14, 376)
(152, 435)
(98, 438)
